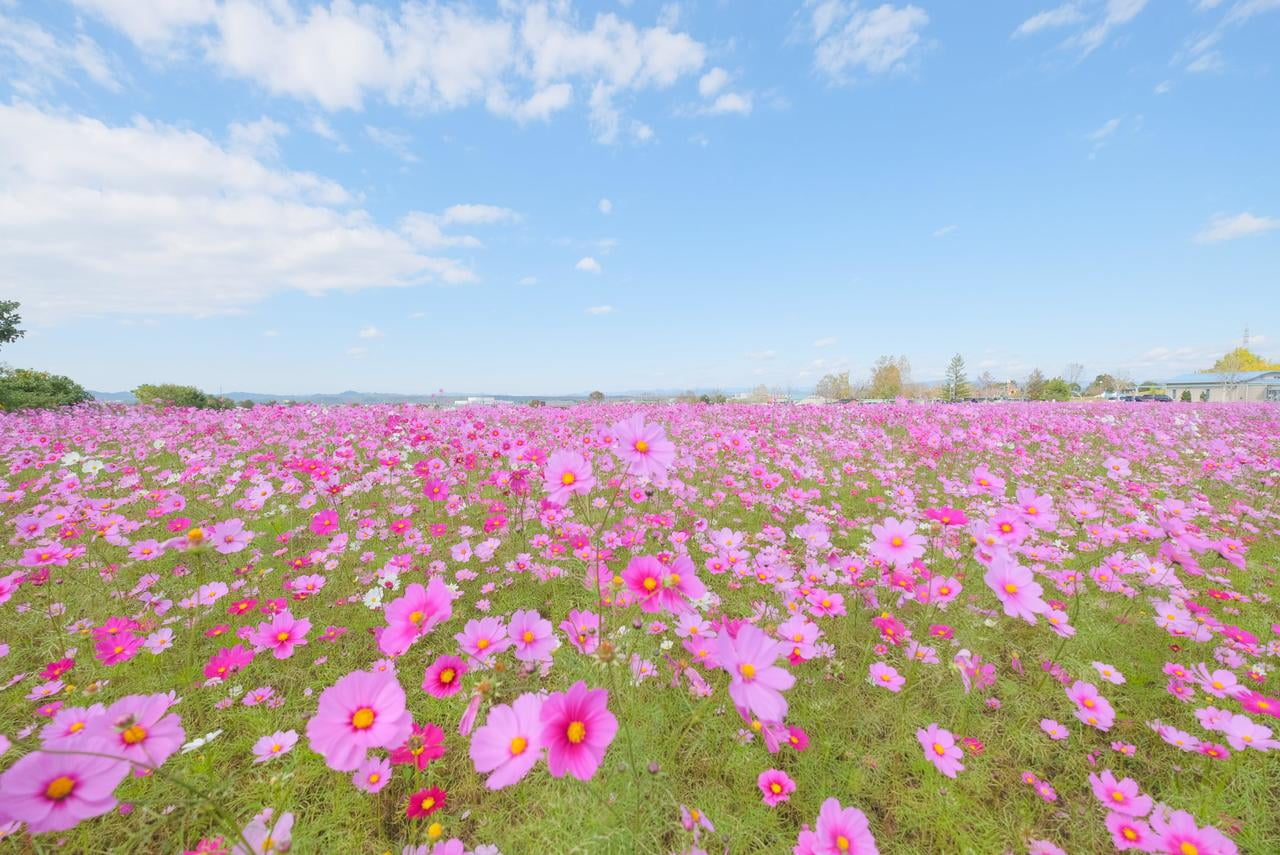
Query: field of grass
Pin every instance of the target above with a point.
(799, 489)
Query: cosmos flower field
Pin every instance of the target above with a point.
(1014, 628)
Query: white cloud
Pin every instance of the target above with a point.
(1061, 16)
(521, 60)
(849, 39)
(151, 219)
(1117, 13)
(1107, 129)
(270, 333)
(527, 280)
(1230, 227)
(712, 82)
(605, 206)
(1163, 87)
(827, 341)
(357, 352)
(945, 230)
(393, 141)
(32, 59)
(599, 310)
(731, 102)
(587, 264)
(478, 215)
(425, 231)
(151, 23)
(762, 355)
(258, 138)
(370, 332)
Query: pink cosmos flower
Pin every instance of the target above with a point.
(842, 831)
(280, 635)
(52, 792)
(374, 774)
(276, 745)
(757, 683)
(509, 743)
(1054, 730)
(230, 536)
(1178, 832)
(67, 730)
(1091, 708)
(775, 786)
(443, 677)
(582, 628)
(138, 728)
(532, 636)
(896, 542)
(1129, 832)
(577, 729)
(941, 750)
(644, 448)
(482, 639)
(886, 677)
(264, 836)
(413, 615)
(656, 587)
(363, 710)
(567, 474)
(1120, 796)
(1015, 587)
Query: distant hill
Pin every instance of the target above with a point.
(353, 397)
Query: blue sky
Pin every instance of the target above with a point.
(291, 197)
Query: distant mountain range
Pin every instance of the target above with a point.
(353, 397)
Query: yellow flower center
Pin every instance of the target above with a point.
(518, 745)
(447, 675)
(282, 636)
(374, 777)
(641, 446)
(842, 843)
(416, 617)
(1117, 796)
(897, 541)
(650, 583)
(747, 670)
(1129, 833)
(528, 636)
(428, 803)
(133, 735)
(482, 643)
(1011, 588)
(363, 718)
(1188, 849)
(76, 727)
(568, 478)
(59, 788)
(576, 732)
(939, 749)
(775, 787)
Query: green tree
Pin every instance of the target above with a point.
(596, 397)
(1056, 389)
(537, 402)
(834, 387)
(23, 389)
(1034, 388)
(9, 320)
(174, 395)
(957, 384)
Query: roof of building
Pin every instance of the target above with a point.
(1209, 378)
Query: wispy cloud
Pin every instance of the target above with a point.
(599, 310)
(1232, 226)
(587, 264)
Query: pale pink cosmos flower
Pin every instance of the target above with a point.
(885, 676)
(266, 837)
(896, 542)
(941, 750)
(532, 636)
(1054, 730)
(644, 448)
(1178, 832)
(363, 710)
(509, 743)
(276, 745)
(842, 831)
(1129, 832)
(1015, 587)
(1108, 673)
(374, 774)
(757, 683)
(482, 639)
(413, 615)
(138, 728)
(567, 474)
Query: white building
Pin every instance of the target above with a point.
(1242, 386)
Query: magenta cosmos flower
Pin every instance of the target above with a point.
(1015, 587)
(138, 728)
(842, 831)
(657, 587)
(363, 710)
(896, 542)
(941, 750)
(567, 474)
(416, 613)
(757, 683)
(280, 635)
(443, 677)
(1178, 832)
(52, 792)
(644, 448)
(508, 744)
(775, 786)
(577, 728)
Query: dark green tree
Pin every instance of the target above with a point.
(9, 320)
(24, 389)
(957, 384)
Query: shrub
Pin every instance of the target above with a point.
(25, 389)
(173, 395)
